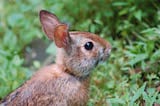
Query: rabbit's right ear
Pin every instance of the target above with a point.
(61, 36)
(49, 22)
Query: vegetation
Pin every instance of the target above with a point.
(131, 76)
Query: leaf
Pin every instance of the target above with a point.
(150, 96)
(116, 100)
(138, 15)
(138, 58)
(155, 55)
(51, 49)
(119, 3)
(14, 19)
(138, 94)
(17, 61)
(149, 30)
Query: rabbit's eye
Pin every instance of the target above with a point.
(88, 46)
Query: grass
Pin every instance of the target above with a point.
(130, 77)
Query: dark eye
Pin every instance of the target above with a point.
(88, 46)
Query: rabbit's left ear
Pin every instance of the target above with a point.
(61, 36)
(49, 21)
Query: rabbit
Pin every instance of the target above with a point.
(65, 83)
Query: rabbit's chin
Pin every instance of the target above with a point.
(83, 68)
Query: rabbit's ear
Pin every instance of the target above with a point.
(49, 21)
(61, 36)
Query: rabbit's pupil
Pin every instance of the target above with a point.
(88, 46)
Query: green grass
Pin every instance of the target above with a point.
(132, 73)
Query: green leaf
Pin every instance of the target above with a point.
(14, 19)
(119, 3)
(138, 58)
(138, 94)
(155, 55)
(150, 96)
(149, 30)
(138, 15)
(51, 49)
(116, 100)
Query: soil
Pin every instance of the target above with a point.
(36, 51)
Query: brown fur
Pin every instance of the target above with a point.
(66, 82)
(50, 87)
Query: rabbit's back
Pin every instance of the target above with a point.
(51, 86)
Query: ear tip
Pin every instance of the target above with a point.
(45, 13)
(42, 12)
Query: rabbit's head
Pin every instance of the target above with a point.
(78, 51)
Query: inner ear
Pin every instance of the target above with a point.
(49, 21)
(61, 36)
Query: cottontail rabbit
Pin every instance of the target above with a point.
(66, 82)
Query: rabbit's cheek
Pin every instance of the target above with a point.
(88, 53)
(81, 67)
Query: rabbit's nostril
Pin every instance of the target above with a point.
(103, 50)
(109, 50)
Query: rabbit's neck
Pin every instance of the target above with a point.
(80, 78)
(60, 56)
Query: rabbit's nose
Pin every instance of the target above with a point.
(103, 50)
(108, 48)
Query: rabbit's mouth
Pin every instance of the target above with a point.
(105, 57)
(102, 58)
(99, 61)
